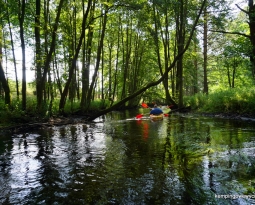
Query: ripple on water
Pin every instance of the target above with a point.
(128, 162)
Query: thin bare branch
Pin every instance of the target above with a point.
(231, 32)
(242, 9)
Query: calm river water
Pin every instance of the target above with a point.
(117, 159)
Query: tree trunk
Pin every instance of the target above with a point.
(180, 46)
(252, 33)
(195, 80)
(38, 57)
(102, 75)
(205, 49)
(13, 53)
(126, 57)
(86, 59)
(229, 78)
(234, 72)
(56, 74)
(22, 5)
(110, 70)
(117, 63)
(4, 82)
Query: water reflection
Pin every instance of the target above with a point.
(121, 160)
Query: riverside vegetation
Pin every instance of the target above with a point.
(232, 103)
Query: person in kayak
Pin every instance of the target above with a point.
(156, 110)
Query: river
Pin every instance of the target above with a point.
(117, 159)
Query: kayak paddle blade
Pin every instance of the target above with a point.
(139, 116)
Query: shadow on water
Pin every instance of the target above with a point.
(120, 160)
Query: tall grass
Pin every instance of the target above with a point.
(235, 100)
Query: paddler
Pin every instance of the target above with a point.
(156, 110)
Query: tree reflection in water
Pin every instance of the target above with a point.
(121, 160)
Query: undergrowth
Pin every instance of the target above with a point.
(235, 100)
(12, 114)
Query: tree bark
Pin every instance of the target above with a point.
(205, 49)
(251, 13)
(180, 27)
(22, 6)
(38, 53)
(13, 54)
(5, 85)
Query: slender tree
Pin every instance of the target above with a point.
(205, 44)
(41, 85)
(99, 50)
(38, 57)
(13, 53)
(21, 15)
(181, 18)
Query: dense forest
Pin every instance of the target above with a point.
(119, 53)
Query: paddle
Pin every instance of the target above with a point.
(139, 116)
(144, 105)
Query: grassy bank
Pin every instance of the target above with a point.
(234, 101)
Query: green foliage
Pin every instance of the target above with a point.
(99, 105)
(235, 100)
(11, 114)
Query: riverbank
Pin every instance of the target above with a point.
(236, 103)
(233, 116)
(39, 123)
(225, 115)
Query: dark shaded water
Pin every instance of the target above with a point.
(120, 160)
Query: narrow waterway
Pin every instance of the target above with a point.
(183, 159)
